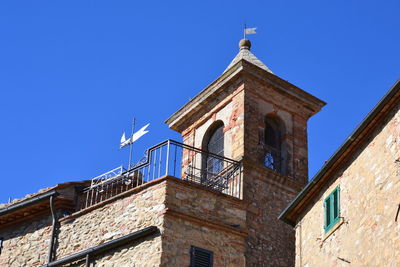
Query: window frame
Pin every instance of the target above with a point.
(332, 208)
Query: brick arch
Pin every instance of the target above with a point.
(209, 164)
(210, 131)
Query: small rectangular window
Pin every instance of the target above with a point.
(200, 257)
(332, 209)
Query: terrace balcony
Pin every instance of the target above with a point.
(173, 159)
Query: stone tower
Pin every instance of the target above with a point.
(251, 115)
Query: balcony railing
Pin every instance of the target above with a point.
(169, 158)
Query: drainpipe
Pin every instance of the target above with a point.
(87, 260)
(53, 229)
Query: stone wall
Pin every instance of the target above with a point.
(186, 214)
(367, 233)
(270, 242)
(27, 244)
(199, 217)
(228, 247)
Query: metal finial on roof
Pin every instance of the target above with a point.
(246, 54)
(245, 44)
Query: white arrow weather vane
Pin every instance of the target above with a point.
(133, 138)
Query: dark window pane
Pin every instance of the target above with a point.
(216, 142)
(273, 157)
(216, 146)
(271, 136)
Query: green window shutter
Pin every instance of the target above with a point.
(327, 211)
(335, 205)
(332, 209)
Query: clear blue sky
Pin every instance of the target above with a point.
(73, 73)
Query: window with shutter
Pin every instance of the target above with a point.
(200, 257)
(332, 209)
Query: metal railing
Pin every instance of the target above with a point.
(107, 176)
(169, 158)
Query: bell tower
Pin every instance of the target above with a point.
(251, 115)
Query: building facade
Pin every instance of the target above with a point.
(349, 213)
(212, 200)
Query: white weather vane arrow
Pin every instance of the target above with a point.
(134, 137)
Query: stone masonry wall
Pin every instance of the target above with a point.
(27, 244)
(134, 254)
(186, 215)
(180, 234)
(270, 242)
(199, 217)
(367, 233)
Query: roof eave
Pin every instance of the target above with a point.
(28, 202)
(174, 119)
(287, 214)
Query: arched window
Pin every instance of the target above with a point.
(214, 143)
(273, 157)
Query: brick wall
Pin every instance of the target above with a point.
(243, 106)
(206, 219)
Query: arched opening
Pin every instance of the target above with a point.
(213, 143)
(273, 145)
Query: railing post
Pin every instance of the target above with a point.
(167, 159)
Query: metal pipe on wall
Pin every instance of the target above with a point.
(53, 230)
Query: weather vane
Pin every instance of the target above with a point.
(247, 31)
(133, 138)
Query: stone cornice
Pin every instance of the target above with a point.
(204, 222)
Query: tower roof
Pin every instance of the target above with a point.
(246, 54)
(244, 62)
